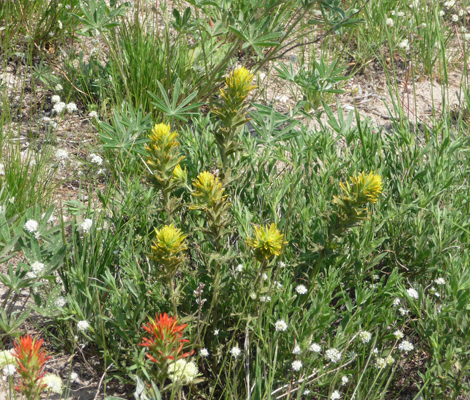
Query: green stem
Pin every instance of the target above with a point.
(173, 296)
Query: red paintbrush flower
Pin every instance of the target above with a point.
(31, 360)
(166, 340)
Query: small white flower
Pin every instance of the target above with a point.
(375, 351)
(58, 88)
(281, 264)
(404, 44)
(389, 22)
(365, 336)
(12, 200)
(403, 311)
(95, 159)
(297, 350)
(306, 392)
(278, 284)
(301, 289)
(344, 380)
(389, 360)
(2, 209)
(204, 353)
(68, 6)
(405, 346)
(2, 169)
(380, 363)
(455, 17)
(280, 326)
(400, 13)
(60, 24)
(235, 352)
(51, 34)
(333, 355)
(413, 293)
(461, 13)
(398, 335)
(466, 36)
(71, 107)
(440, 281)
(53, 383)
(335, 395)
(59, 107)
(55, 99)
(239, 268)
(61, 154)
(60, 302)
(93, 114)
(9, 370)
(74, 378)
(264, 277)
(31, 226)
(423, 25)
(83, 326)
(86, 225)
(442, 13)
(283, 98)
(315, 347)
(265, 299)
(31, 275)
(216, 332)
(37, 267)
(297, 365)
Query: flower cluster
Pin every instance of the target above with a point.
(182, 371)
(267, 242)
(168, 248)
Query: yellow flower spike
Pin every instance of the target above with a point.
(208, 189)
(267, 242)
(239, 82)
(180, 175)
(363, 189)
(168, 247)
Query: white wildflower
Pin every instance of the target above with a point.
(335, 395)
(375, 351)
(344, 380)
(398, 335)
(365, 336)
(389, 22)
(55, 99)
(403, 311)
(306, 392)
(183, 371)
(204, 352)
(265, 299)
(68, 6)
(264, 277)
(12, 200)
(53, 383)
(297, 365)
(389, 360)
(440, 281)
(2, 209)
(280, 325)
(333, 355)
(442, 13)
(61, 154)
(413, 293)
(216, 332)
(9, 370)
(60, 301)
(297, 350)
(83, 326)
(95, 159)
(74, 378)
(404, 44)
(235, 352)
(461, 13)
(59, 107)
(380, 363)
(37, 267)
(400, 13)
(86, 225)
(72, 107)
(315, 347)
(93, 114)
(405, 346)
(60, 24)
(301, 289)
(2, 169)
(58, 88)
(281, 264)
(455, 17)
(31, 226)
(6, 357)
(239, 268)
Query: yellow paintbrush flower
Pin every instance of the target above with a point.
(163, 151)
(207, 189)
(168, 247)
(267, 242)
